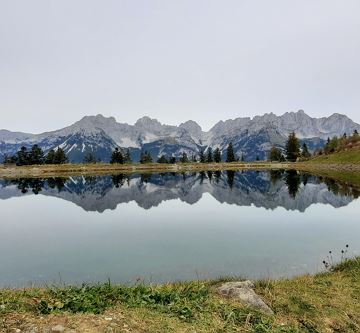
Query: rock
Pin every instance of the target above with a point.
(244, 292)
(58, 328)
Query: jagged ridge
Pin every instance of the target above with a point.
(251, 137)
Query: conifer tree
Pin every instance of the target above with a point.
(60, 157)
(230, 156)
(292, 147)
(36, 155)
(162, 159)
(209, 156)
(275, 154)
(217, 155)
(201, 156)
(50, 157)
(184, 158)
(128, 156)
(145, 157)
(117, 157)
(22, 156)
(305, 151)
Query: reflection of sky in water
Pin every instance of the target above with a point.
(43, 238)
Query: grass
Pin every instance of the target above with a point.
(346, 156)
(325, 302)
(106, 168)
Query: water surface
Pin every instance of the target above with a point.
(166, 227)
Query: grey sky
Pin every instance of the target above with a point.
(176, 60)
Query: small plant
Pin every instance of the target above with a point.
(329, 262)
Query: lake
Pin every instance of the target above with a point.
(168, 227)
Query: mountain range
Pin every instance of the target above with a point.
(251, 137)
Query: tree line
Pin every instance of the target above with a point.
(293, 151)
(145, 157)
(35, 155)
(339, 143)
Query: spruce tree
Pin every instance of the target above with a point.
(50, 157)
(292, 148)
(117, 157)
(145, 157)
(305, 151)
(201, 156)
(23, 156)
(217, 155)
(184, 158)
(275, 154)
(36, 155)
(230, 156)
(162, 159)
(128, 156)
(60, 157)
(209, 156)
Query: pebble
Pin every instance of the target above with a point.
(58, 328)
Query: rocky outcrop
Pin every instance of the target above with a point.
(244, 292)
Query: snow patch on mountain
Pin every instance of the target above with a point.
(251, 137)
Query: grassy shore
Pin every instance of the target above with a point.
(105, 168)
(340, 162)
(325, 302)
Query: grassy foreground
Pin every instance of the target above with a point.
(325, 302)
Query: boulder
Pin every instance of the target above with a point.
(244, 292)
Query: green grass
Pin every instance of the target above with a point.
(347, 156)
(328, 301)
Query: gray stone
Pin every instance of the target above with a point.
(58, 328)
(244, 292)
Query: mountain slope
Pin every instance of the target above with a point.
(251, 137)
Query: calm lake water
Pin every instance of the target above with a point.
(166, 227)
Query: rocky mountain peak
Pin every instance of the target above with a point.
(251, 137)
(148, 123)
(192, 127)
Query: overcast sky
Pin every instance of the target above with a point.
(176, 60)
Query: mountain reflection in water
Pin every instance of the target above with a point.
(289, 189)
